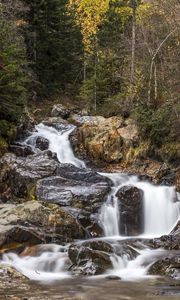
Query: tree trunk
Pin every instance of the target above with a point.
(134, 6)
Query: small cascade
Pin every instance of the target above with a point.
(161, 207)
(137, 268)
(50, 264)
(58, 143)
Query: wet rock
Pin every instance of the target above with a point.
(90, 258)
(19, 175)
(60, 110)
(21, 150)
(42, 143)
(56, 122)
(126, 249)
(167, 266)
(34, 222)
(79, 194)
(113, 277)
(80, 188)
(131, 210)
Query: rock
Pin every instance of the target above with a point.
(113, 277)
(65, 192)
(60, 110)
(167, 266)
(129, 134)
(19, 175)
(79, 120)
(90, 258)
(131, 210)
(103, 139)
(57, 122)
(9, 273)
(42, 143)
(21, 150)
(80, 188)
(34, 223)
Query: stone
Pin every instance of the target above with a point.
(90, 258)
(167, 266)
(131, 210)
(78, 194)
(21, 150)
(42, 143)
(60, 110)
(20, 174)
(33, 223)
(103, 139)
(56, 122)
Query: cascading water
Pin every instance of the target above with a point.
(161, 212)
(161, 207)
(58, 143)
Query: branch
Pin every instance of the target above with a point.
(152, 61)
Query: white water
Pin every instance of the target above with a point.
(58, 143)
(160, 215)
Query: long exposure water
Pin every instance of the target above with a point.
(161, 212)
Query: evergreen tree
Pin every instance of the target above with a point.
(53, 44)
(106, 66)
(13, 78)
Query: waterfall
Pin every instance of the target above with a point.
(58, 143)
(161, 212)
(161, 207)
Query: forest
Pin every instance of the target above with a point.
(117, 57)
(89, 149)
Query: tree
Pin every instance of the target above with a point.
(13, 74)
(53, 45)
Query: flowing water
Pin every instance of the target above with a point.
(161, 212)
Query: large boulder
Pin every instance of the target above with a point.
(80, 191)
(34, 222)
(104, 139)
(90, 258)
(131, 210)
(66, 192)
(19, 174)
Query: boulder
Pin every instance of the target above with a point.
(90, 258)
(34, 223)
(79, 188)
(42, 143)
(19, 174)
(60, 110)
(131, 210)
(167, 266)
(103, 139)
(78, 194)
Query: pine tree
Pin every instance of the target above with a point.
(13, 75)
(53, 43)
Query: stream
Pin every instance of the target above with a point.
(161, 211)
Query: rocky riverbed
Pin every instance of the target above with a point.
(51, 209)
